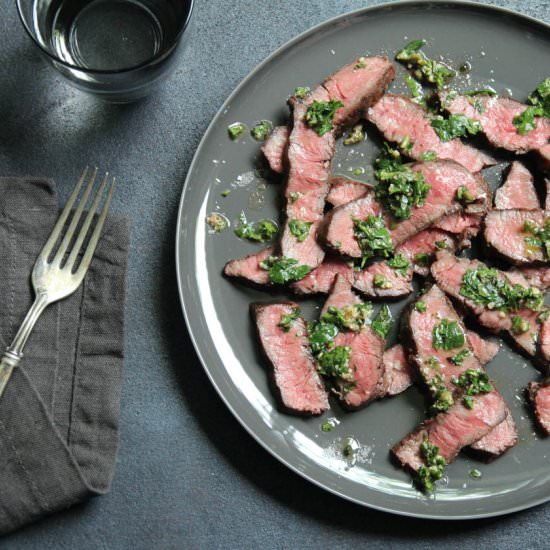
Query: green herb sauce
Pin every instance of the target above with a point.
(320, 114)
(288, 319)
(357, 135)
(447, 335)
(434, 466)
(373, 237)
(262, 130)
(300, 229)
(473, 382)
(383, 321)
(236, 130)
(284, 270)
(400, 264)
(261, 231)
(455, 126)
(539, 106)
(217, 222)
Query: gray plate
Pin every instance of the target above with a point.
(506, 50)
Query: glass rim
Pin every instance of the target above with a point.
(158, 56)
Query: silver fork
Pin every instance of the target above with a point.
(56, 278)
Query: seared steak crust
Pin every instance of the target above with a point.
(539, 394)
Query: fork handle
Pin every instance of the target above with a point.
(8, 362)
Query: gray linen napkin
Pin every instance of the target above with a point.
(59, 413)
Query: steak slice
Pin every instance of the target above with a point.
(543, 345)
(538, 277)
(298, 385)
(399, 118)
(320, 280)
(539, 394)
(501, 438)
(367, 349)
(309, 154)
(420, 328)
(444, 178)
(504, 232)
(448, 271)
(453, 430)
(496, 119)
(464, 226)
(518, 190)
(547, 198)
(248, 268)
(398, 372)
(274, 148)
(343, 190)
(379, 280)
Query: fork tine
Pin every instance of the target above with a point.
(74, 221)
(94, 239)
(58, 227)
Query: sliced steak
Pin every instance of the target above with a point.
(538, 277)
(427, 242)
(420, 328)
(547, 198)
(274, 148)
(502, 437)
(248, 268)
(540, 398)
(298, 384)
(448, 272)
(320, 280)
(453, 430)
(399, 118)
(309, 155)
(398, 372)
(341, 295)
(379, 280)
(444, 178)
(464, 226)
(496, 119)
(367, 349)
(343, 190)
(504, 232)
(518, 190)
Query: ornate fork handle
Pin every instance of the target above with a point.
(14, 353)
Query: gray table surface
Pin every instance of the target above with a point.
(188, 475)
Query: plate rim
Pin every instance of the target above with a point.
(182, 268)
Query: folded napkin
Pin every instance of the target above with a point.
(59, 413)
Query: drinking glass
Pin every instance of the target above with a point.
(119, 50)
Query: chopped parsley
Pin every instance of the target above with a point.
(380, 281)
(261, 231)
(415, 88)
(226, 193)
(424, 69)
(383, 321)
(433, 468)
(485, 91)
(400, 264)
(475, 473)
(455, 126)
(293, 196)
(420, 306)
(539, 237)
(300, 229)
(217, 222)
(319, 115)
(327, 426)
(357, 135)
(373, 237)
(487, 287)
(399, 189)
(283, 270)
(428, 155)
(236, 130)
(473, 382)
(288, 319)
(351, 317)
(458, 359)
(261, 130)
(542, 316)
(441, 245)
(443, 398)
(539, 106)
(301, 92)
(464, 195)
(520, 325)
(331, 360)
(361, 63)
(447, 335)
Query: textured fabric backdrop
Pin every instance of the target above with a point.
(188, 475)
